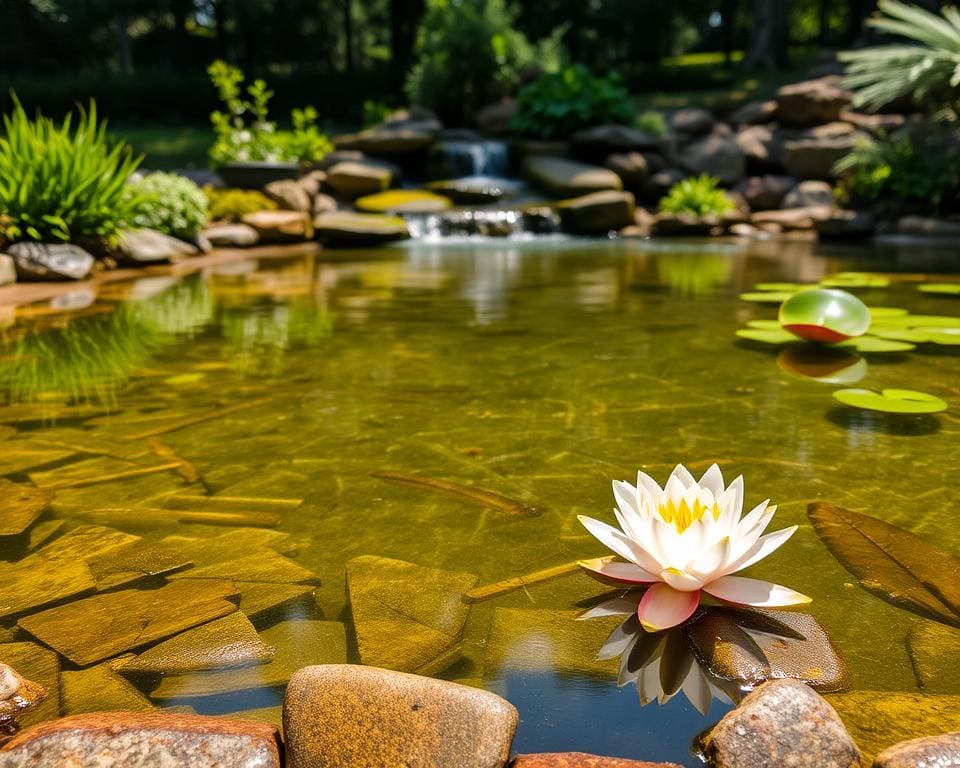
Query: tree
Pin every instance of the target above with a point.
(770, 35)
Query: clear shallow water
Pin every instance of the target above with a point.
(539, 373)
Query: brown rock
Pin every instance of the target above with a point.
(782, 723)
(755, 113)
(597, 213)
(349, 716)
(323, 204)
(846, 224)
(692, 121)
(137, 247)
(934, 649)
(8, 269)
(99, 689)
(289, 195)
(716, 155)
(37, 581)
(597, 142)
(390, 142)
(810, 193)
(345, 228)
(581, 760)
(763, 193)
(657, 185)
(280, 226)
(931, 752)
(815, 158)
(144, 741)
(313, 182)
(812, 102)
(231, 235)
(566, 178)
(631, 167)
(20, 505)
(762, 146)
(873, 124)
(17, 696)
(793, 218)
(684, 224)
(42, 666)
(356, 179)
(928, 226)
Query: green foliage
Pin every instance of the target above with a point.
(697, 195)
(232, 204)
(168, 203)
(903, 174)
(375, 112)
(929, 72)
(62, 182)
(469, 53)
(651, 121)
(559, 103)
(244, 131)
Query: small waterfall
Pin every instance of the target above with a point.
(455, 159)
(513, 224)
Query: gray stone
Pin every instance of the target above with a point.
(762, 147)
(289, 195)
(692, 121)
(597, 213)
(356, 179)
(876, 125)
(324, 204)
(45, 262)
(782, 723)
(793, 218)
(763, 193)
(232, 235)
(149, 740)
(808, 193)
(930, 752)
(312, 182)
(815, 158)
(8, 270)
(280, 226)
(495, 119)
(147, 246)
(339, 156)
(755, 113)
(599, 141)
(473, 190)
(656, 186)
(812, 102)
(566, 178)
(928, 226)
(344, 228)
(716, 155)
(412, 119)
(846, 224)
(631, 167)
(350, 716)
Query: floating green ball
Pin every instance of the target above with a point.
(825, 315)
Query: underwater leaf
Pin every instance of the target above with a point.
(891, 400)
(943, 289)
(767, 297)
(892, 563)
(767, 336)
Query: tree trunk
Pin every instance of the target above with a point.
(121, 34)
(728, 10)
(770, 35)
(348, 34)
(180, 38)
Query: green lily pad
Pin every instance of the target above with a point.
(943, 289)
(768, 336)
(781, 287)
(766, 325)
(875, 344)
(891, 400)
(767, 297)
(880, 313)
(918, 321)
(855, 280)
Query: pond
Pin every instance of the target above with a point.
(263, 420)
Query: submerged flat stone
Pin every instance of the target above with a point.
(20, 506)
(86, 542)
(102, 626)
(934, 650)
(135, 561)
(100, 689)
(42, 666)
(35, 582)
(226, 546)
(148, 740)
(266, 566)
(406, 617)
(298, 644)
(263, 601)
(220, 644)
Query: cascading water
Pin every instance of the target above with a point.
(455, 159)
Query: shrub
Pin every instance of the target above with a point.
(62, 182)
(697, 195)
(168, 203)
(232, 204)
(651, 121)
(244, 131)
(930, 71)
(469, 53)
(559, 103)
(907, 173)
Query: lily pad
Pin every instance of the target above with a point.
(875, 344)
(918, 321)
(855, 280)
(879, 313)
(767, 297)
(891, 400)
(892, 563)
(781, 287)
(943, 289)
(765, 325)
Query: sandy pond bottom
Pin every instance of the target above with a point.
(535, 372)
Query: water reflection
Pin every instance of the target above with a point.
(825, 365)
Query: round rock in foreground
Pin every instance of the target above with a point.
(351, 716)
(933, 751)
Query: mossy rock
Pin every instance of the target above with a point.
(566, 178)
(353, 179)
(404, 201)
(597, 213)
(343, 228)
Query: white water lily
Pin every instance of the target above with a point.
(685, 539)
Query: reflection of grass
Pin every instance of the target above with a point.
(259, 336)
(694, 274)
(166, 147)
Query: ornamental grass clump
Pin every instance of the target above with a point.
(168, 203)
(697, 196)
(62, 182)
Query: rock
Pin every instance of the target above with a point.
(933, 751)
(406, 617)
(812, 102)
(412, 119)
(474, 190)
(263, 602)
(392, 142)
(232, 235)
(8, 270)
(17, 697)
(656, 186)
(876, 125)
(146, 246)
(601, 140)
(44, 262)
(524, 148)
(20, 506)
(289, 195)
(350, 716)
(597, 213)
(934, 649)
(265, 567)
(763, 193)
(324, 204)
(540, 220)
(631, 167)
(782, 723)
(928, 227)
(356, 179)
(810, 193)
(566, 178)
(815, 158)
(99, 689)
(686, 224)
(42, 666)
(136, 618)
(762, 147)
(880, 719)
(581, 760)
(147, 740)
(755, 113)
(793, 218)
(35, 581)
(359, 229)
(312, 182)
(691, 121)
(338, 156)
(716, 155)
(495, 119)
(298, 643)
(846, 224)
(401, 201)
(274, 227)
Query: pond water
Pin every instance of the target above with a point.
(537, 372)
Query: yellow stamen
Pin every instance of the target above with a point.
(683, 516)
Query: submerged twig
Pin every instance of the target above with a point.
(487, 499)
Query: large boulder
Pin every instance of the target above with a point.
(763, 193)
(692, 121)
(597, 213)
(657, 185)
(351, 716)
(231, 235)
(274, 227)
(137, 247)
(782, 723)
(474, 190)
(932, 751)
(46, 262)
(566, 178)
(762, 146)
(808, 193)
(354, 179)
(631, 167)
(343, 228)
(812, 102)
(601, 140)
(145, 740)
(755, 113)
(815, 158)
(289, 195)
(718, 155)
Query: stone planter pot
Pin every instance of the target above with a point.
(257, 174)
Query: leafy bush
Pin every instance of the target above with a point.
(559, 103)
(651, 121)
(62, 182)
(903, 174)
(232, 204)
(697, 195)
(930, 71)
(375, 112)
(245, 132)
(469, 53)
(168, 203)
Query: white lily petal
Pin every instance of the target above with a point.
(759, 594)
(683, 475)
(764, 546)
(711, 561)
(663, 607)
(626, 496)
(651, 486)
(713, 480)
(674, 490)
(619, 641)
(609, 536)
(626, 573)
(679, 580)
(697, 689)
